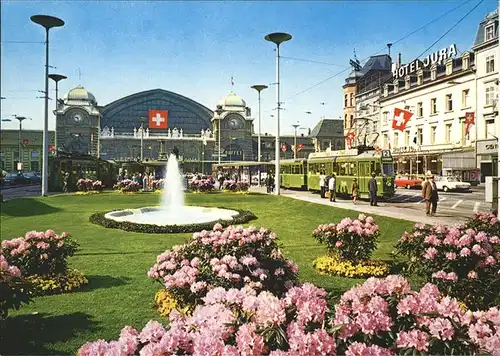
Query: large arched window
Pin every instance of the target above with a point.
(351, 121)
(345, 100)
(352, 99)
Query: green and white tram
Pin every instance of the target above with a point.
(347, 165)
(293, 173)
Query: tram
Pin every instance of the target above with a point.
(346, 165)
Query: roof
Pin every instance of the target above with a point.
(380, 62)
(491, 18)
(328, 128)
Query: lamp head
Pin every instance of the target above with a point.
(259, 87)
(47, 21)
(57, 77)
(278, 37)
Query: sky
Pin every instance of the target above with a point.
(117, 48)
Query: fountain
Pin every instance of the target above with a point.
(172, 210)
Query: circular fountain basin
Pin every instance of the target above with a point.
(161, 217)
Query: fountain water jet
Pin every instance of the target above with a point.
(172, 210)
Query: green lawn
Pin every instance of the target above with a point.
(115, 262)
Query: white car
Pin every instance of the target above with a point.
(451, 183)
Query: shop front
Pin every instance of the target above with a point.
(461, 164)
(410, 160)
(487, 157)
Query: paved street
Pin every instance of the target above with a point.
(453, 207)
(21, 191)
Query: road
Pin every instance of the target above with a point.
(21, 191)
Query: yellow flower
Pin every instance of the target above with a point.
(333, 265)
(165, 302)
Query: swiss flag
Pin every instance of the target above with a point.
(299, 147)
(469, 121)
(158, 119)
(401, 118)
(350, 138)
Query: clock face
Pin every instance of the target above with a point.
(234, 124)
(77, 118)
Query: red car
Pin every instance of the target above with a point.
(408, 182)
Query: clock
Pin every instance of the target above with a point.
(234, 124)
(77, 118)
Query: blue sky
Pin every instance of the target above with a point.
(193, 48)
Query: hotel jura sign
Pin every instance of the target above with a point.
(438, 57)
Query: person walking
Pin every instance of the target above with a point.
(430, 194)
(332, 188)
(322, 187)
(355, 191)
(372, 187)
(66, 182)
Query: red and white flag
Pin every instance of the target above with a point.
(350, 138)
(469, 121)
(400, 119)
(158, 119)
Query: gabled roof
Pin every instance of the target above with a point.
(328, 128)
(380, 62)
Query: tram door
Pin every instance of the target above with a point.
(363, 177)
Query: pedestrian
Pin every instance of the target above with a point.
(430, 194)
(65, 182)
(332, 188)
(221, 180)
(372, 187)
(355, 191)
(322, 187)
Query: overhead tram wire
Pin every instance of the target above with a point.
(382, 50)
(312, 61)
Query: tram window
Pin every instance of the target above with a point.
(388, 169)
(377, 170)
(353, 169)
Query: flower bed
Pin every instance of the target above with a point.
(57, 283)
(344, 268)
(379, 317)
(14, 291)
(85, 185)
(42, 257)
(463, 262)
(127, 186)
(231, 258)
(233, 186)
(100, 219)
(201, 185)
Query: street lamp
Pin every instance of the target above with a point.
(219, 112)
(57, 78)
(259, 88)
(47, 22)
(20, 119)
(277, 38)
(142, 118)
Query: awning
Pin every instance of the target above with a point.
(459, 160)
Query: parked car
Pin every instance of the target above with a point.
(15, 179)
(33, 177)
(408, 182)
(451, 183)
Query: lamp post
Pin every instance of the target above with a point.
(20, 150)
(295, 127)
(219, 112)
(142, 118)
(259, 88)
(47, 22)
(277, 38)
(57, 78)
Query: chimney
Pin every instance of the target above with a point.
(399, 58)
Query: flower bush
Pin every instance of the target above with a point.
(486, 222)
(127, 186)
(461, 261)
(234, 322)
(233, 186)
(383, 316)
(14, 291)
(57, 283)
(351, 240)
(231, 258)
(201, 185)
(157, 183)
(85, 185)
(344, 268)
(40, 253)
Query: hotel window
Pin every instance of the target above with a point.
(489, 32)
(433, 73)
(490, 128)
(433, 134)
(490, 95)
(490, 64)
(396, 139)
(407, 138)
(449, 103)
(448, 132)
(375, 126)
(433, 106)
(420, 109)
(465, 98)
(386, 118)
(396, 86)
(386, 141)
(420, 78)
(407, 82)
(465, 61)
(449, 67)
(345, 100)
(420, 136)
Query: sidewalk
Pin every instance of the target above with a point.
(414, 213)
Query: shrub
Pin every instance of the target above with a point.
(231, 258)
(97, 186)
(385, 314)
(86, 185)
(201, 185)
(351, 240)
(345, 268)
(158, 183)
(461, 261)
(234, 322)
(234, 186)
(57, 283)
(127, 186)
(14, 291)
(486, 222)
(40, 253)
